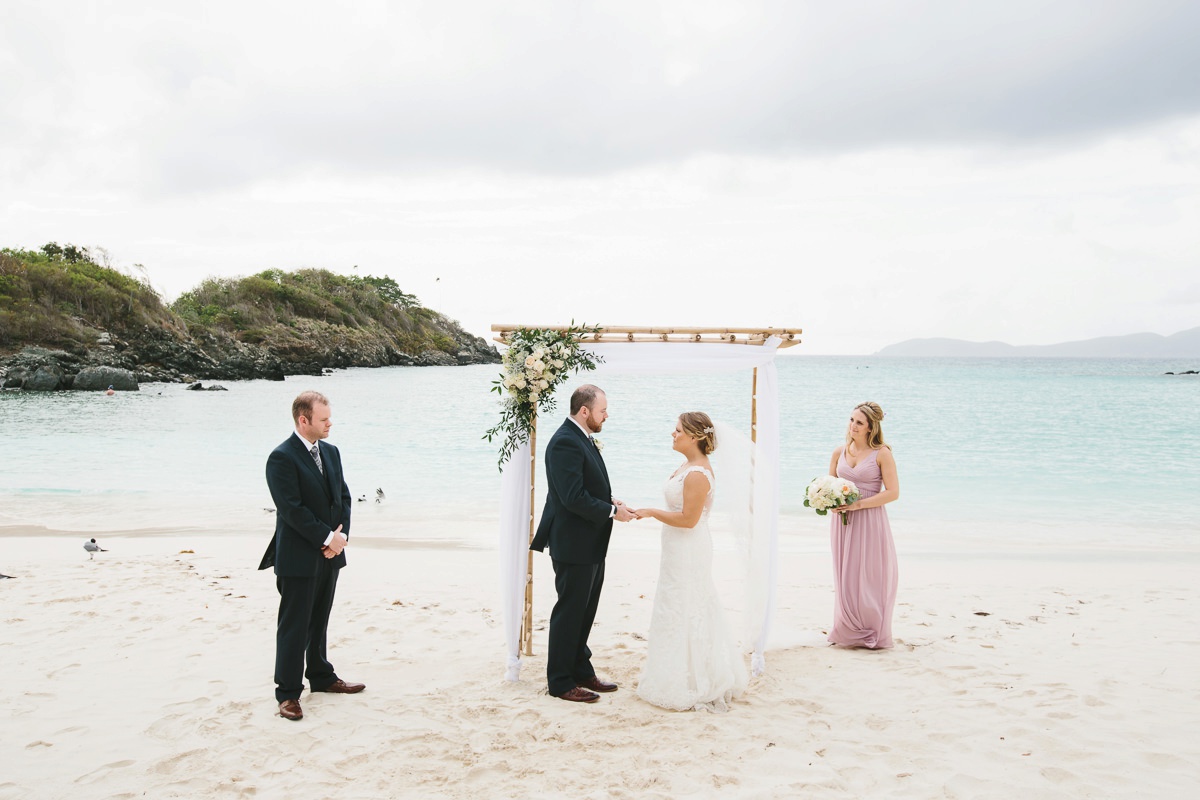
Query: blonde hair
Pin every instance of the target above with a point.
(699, 426)
(874, 415)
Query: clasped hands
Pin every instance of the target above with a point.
(336, 545)
(626, 514)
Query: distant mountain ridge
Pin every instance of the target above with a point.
(1185, 344)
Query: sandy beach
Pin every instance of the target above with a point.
(147, 673)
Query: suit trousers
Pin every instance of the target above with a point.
(304, 606)
(568, 659)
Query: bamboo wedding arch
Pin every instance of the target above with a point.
(721, 352)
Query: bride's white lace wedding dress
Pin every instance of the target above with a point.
(692, 661)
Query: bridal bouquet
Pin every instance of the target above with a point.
(536, 361)
(829, 492)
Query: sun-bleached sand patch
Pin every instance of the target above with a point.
(148, 673)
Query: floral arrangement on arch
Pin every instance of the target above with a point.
(536, 362)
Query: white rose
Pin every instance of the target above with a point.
(520, 384)
(530, 361)
(538, 353)
(544, 384)
(533, 397)
(559, 364)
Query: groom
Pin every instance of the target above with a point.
(577, 523)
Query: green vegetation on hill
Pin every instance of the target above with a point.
(264, 325)
(61, 297)
(283, 310)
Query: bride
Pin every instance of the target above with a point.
(692, 661)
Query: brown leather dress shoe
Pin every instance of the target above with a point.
(578, 695)
(597, 685)
(341, 687)
(290, 709)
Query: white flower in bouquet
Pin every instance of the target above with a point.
(530, 360)
(830, 492)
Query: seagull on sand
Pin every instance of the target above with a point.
(93, 548)
(380, 496)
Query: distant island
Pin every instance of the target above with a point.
(67, 320)
(1185, 344)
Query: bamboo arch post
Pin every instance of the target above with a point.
(754, 407)
(526, 643)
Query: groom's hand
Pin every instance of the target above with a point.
(624, 514)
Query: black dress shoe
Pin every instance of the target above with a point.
(597, 685)
(578, 695)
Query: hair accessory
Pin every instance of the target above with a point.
(709, 429)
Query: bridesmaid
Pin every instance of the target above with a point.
(864, 556)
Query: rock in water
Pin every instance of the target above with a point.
(46, 378)
(97, 379)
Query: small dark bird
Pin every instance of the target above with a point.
(380, 496)
(93, 548)
(4, 577)
(362, 499)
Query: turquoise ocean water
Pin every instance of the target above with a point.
(991, 452)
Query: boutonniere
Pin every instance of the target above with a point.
(599, 444)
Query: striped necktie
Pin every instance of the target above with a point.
(316, 454)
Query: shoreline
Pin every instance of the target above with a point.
(469, 534)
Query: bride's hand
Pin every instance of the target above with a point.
(643, 513)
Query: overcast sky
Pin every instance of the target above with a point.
(871, 172)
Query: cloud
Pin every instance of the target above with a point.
(220, 94)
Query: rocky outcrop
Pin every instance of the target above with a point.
(167, 355)
(47, 378)
(96, 379)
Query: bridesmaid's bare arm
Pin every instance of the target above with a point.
(837, 453)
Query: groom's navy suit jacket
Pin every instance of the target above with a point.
(308, 506)
(575, 522)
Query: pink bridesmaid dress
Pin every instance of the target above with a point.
(864, 564)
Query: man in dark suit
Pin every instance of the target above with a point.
(312, 527)
(577, 523)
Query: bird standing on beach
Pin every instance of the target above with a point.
(93, 548)
(380, 496)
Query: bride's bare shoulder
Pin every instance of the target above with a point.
(699, 472)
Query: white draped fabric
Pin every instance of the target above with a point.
(662, 358)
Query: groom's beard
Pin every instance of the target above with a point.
(594, 426)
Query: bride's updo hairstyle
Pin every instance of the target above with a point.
(697, 425)
(874, 415)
